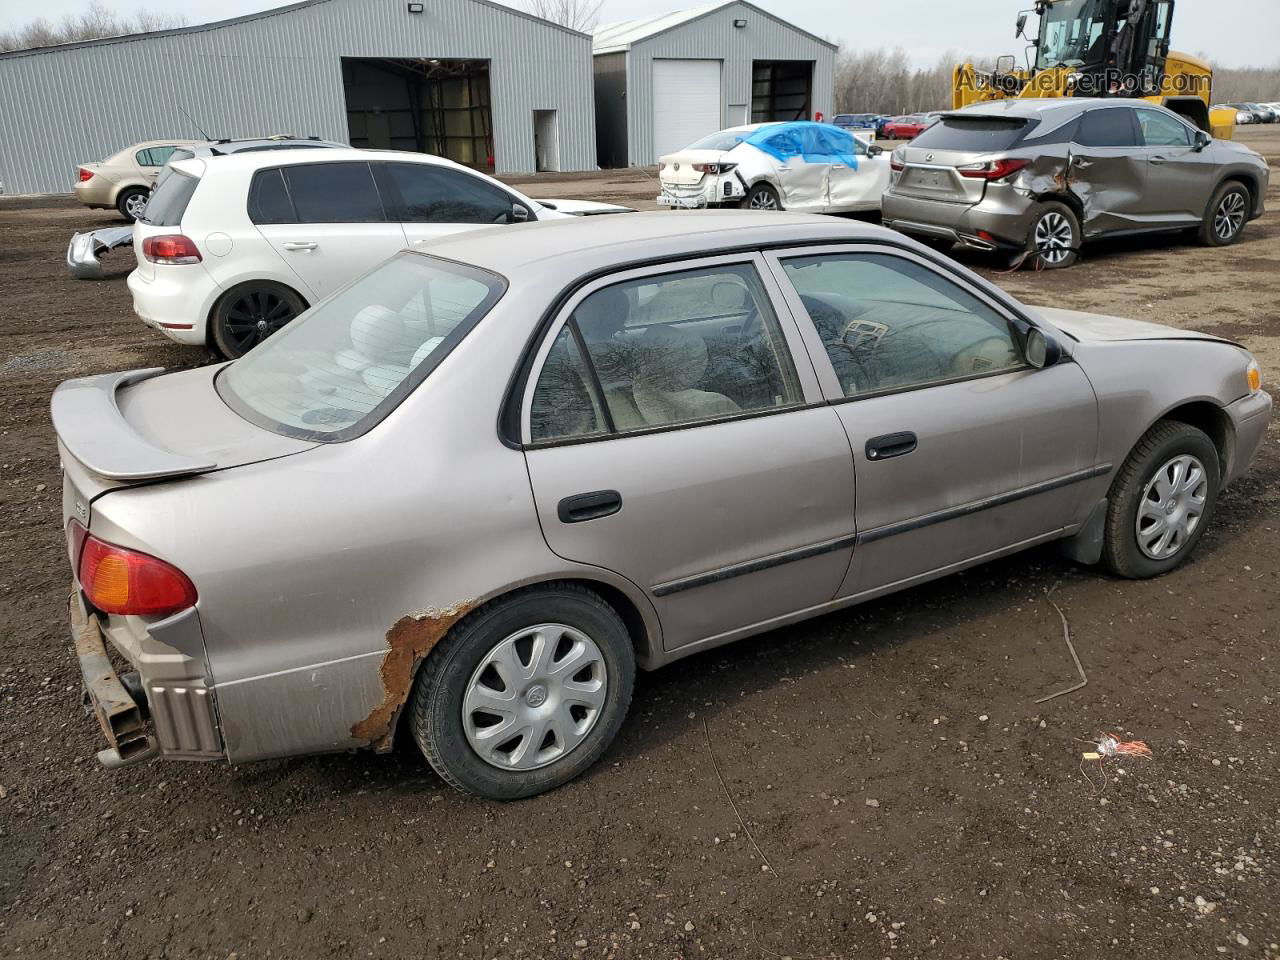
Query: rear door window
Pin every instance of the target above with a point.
(169, 200)
(334, 193)
(1108, 127)
(432, 194)
(269, 199)
(1162, 130)
(971, 134)
(154, 156)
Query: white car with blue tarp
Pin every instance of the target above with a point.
(801, 166)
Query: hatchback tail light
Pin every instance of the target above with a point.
(714, 167)
(126, 582)
(992, 169)
(85, 174)
(170, 248)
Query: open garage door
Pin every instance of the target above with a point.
(427, 105)
(781, 90)
(686, 103)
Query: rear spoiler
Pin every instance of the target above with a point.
(89, 423)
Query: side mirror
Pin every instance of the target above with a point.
(1022, 25)
(1006, 64)
(519, 214)
(874, 150)
(1202, 140)
(1042, 351)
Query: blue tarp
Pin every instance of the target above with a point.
(814, 142)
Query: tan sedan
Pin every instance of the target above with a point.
(124, 180)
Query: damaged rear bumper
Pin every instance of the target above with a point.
(85, 249)
(987, 225)
(162, 710)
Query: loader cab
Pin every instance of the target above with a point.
(1114, 47)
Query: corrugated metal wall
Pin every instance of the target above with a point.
(714, 37)
(281, 73)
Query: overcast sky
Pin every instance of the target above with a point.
(1233, 32)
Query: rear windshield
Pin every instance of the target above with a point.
(972, 134)
(169, 200)
(342, 366)
(724, 140)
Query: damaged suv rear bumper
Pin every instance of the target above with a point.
(986, 225)
(159, 710)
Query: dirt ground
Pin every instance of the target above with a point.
(875, 783)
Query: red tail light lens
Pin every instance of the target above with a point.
(85, 174)
(170, 248)
(714, 167)
(992, 169)
(126, 582)
(898, 160)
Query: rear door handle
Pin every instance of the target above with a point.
(589, 506)
(1155, 160)
(890, 445)
(300, 244)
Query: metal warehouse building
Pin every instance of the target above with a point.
(665, 82)
(469, 79)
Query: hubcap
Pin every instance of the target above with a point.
(1171, 507)
(763, 200)
(135, 204)
(1053, 237)
(256, 315)
(1229, 217)
(534, 697)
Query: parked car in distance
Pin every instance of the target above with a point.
(464, 498)
(1256, 111)
(232, 248)
(867, 124)
(1046, 175)
(801, 166)
(125, 178)
(906, 128)
(1243, 117)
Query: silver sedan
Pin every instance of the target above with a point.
(463, 499)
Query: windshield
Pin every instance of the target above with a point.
(342, 366)
(1072, 33)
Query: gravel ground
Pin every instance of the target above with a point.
(875, 783)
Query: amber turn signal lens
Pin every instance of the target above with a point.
(116, 580)
(1255, 378)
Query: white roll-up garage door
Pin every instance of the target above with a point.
(686, 103)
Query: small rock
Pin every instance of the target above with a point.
(872, 803)
(579, 943)
(304, 915)
(635, 924)
(871, 918)
(688, 926)
(40, 487)
(984, 718)
(1242, 939)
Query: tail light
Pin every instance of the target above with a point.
(992, 169)
(714, 167)
(898, 160)
(170, 248)
(85, 174)
(121, 581)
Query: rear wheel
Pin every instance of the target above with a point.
(762, 197)
(1225, 219)
(525, 694)
(1054, 238)
(248, 314)
(132, 202)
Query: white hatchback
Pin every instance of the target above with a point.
(801, 166)
(232, 248)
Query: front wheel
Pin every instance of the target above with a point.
(1054, 239)
(1225, 219)
(1161, 501)
(762, 197)
(525, 694)
(246, 315)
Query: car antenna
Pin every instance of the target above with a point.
(193, 123)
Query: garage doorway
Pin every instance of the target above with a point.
(422, 104)
(546, 141)
(686, 103)
(781, 90)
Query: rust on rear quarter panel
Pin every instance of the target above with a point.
(409, 640)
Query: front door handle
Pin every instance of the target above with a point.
(890, 445)
(1155, 160)
(589, 506)
(300, 244)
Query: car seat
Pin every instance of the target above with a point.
(672, 363)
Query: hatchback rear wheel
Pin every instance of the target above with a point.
(1054, 238)
(525, 694)
(1227, 214)
(248, 314)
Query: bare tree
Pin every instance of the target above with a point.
(1245, 84)
(884, 81)
(575, 14)
(95, 22)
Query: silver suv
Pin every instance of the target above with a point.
(1046, 175)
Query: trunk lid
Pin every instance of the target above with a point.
(120, 429)
(932, 175)
(677, 168)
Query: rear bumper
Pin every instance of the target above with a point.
(164, 709)
(176, 301)
(712, 192)
(95, 192)
(1007, 223)
(1250, 417)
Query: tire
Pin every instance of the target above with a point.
(762, 196)
(446, 723)
(1226, 216)
(1053, 241)
(246, 315)
(131, 202)
(1166, 443)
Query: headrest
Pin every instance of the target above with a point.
(670, 358)
(602, 314)
(379, 334)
